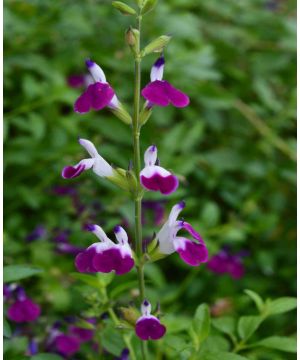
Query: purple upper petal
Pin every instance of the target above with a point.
(166, 185)
(97, 96)
(188, 227)
(24, 311)
(70, 172)
(193, 254)
(112, 259)
(148, 328)
(162, 93)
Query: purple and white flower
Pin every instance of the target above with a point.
(192, 252)
(23, 309)
(106, 256)
(154, 177)
(148, 327)
(160, 92)
(98, 94)
(100, 166)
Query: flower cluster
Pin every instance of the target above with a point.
(106, 255)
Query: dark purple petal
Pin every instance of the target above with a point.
(217, 264)
(149, 328)
(70, 172)
(193, 254)
(166, 185)
(83, 335)
(24, 311)
(177, 97)
(97, 96)
(188, 227)
(236, 269)
(112, 259)
(67, 345)
(84, 103)
(162, 93)
(155, 93)
(76, 81)
(84, 261)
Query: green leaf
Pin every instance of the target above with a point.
(6, 328)
(282, 305)
(225, 324)
(105, 279)
(222, 356)
(123, 8)
(256, 298)
(279, 343)
(18, 272)
(201, 324)
(91, 280)
(247, 325)
(46, 357)
(112, 340)
(148, 6)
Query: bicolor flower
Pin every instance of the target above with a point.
(160, 92)
(23, 309)
(226, 263)
(106, 256)
(96, 162)
(99, 94)
(192, 252)
(154, 177)
(148, 327)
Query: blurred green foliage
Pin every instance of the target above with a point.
(233, 147)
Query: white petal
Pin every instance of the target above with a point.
(157, 70)
(88, 80)
(96, 71)
(101, 167)
(146, 308)
(121, 235)
(88, 163)
(89, 147)
(98, 231)
(176, 209)
(150, 155)
(114, 103)
(165, 237)
(149, 171)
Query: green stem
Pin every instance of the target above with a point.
(137, 169)
(126, 338)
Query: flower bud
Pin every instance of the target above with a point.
(145, 114)
(121, 113)
(132, 39)
(129, 314)
(156, 45)
(132, 181)
(148, 6)
(123, 8)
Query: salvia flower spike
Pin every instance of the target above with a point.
(106, 256)
(98, 94)
(100, 166)
(160, 92)
(148, 327)
(191, 252)
(154, 177)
